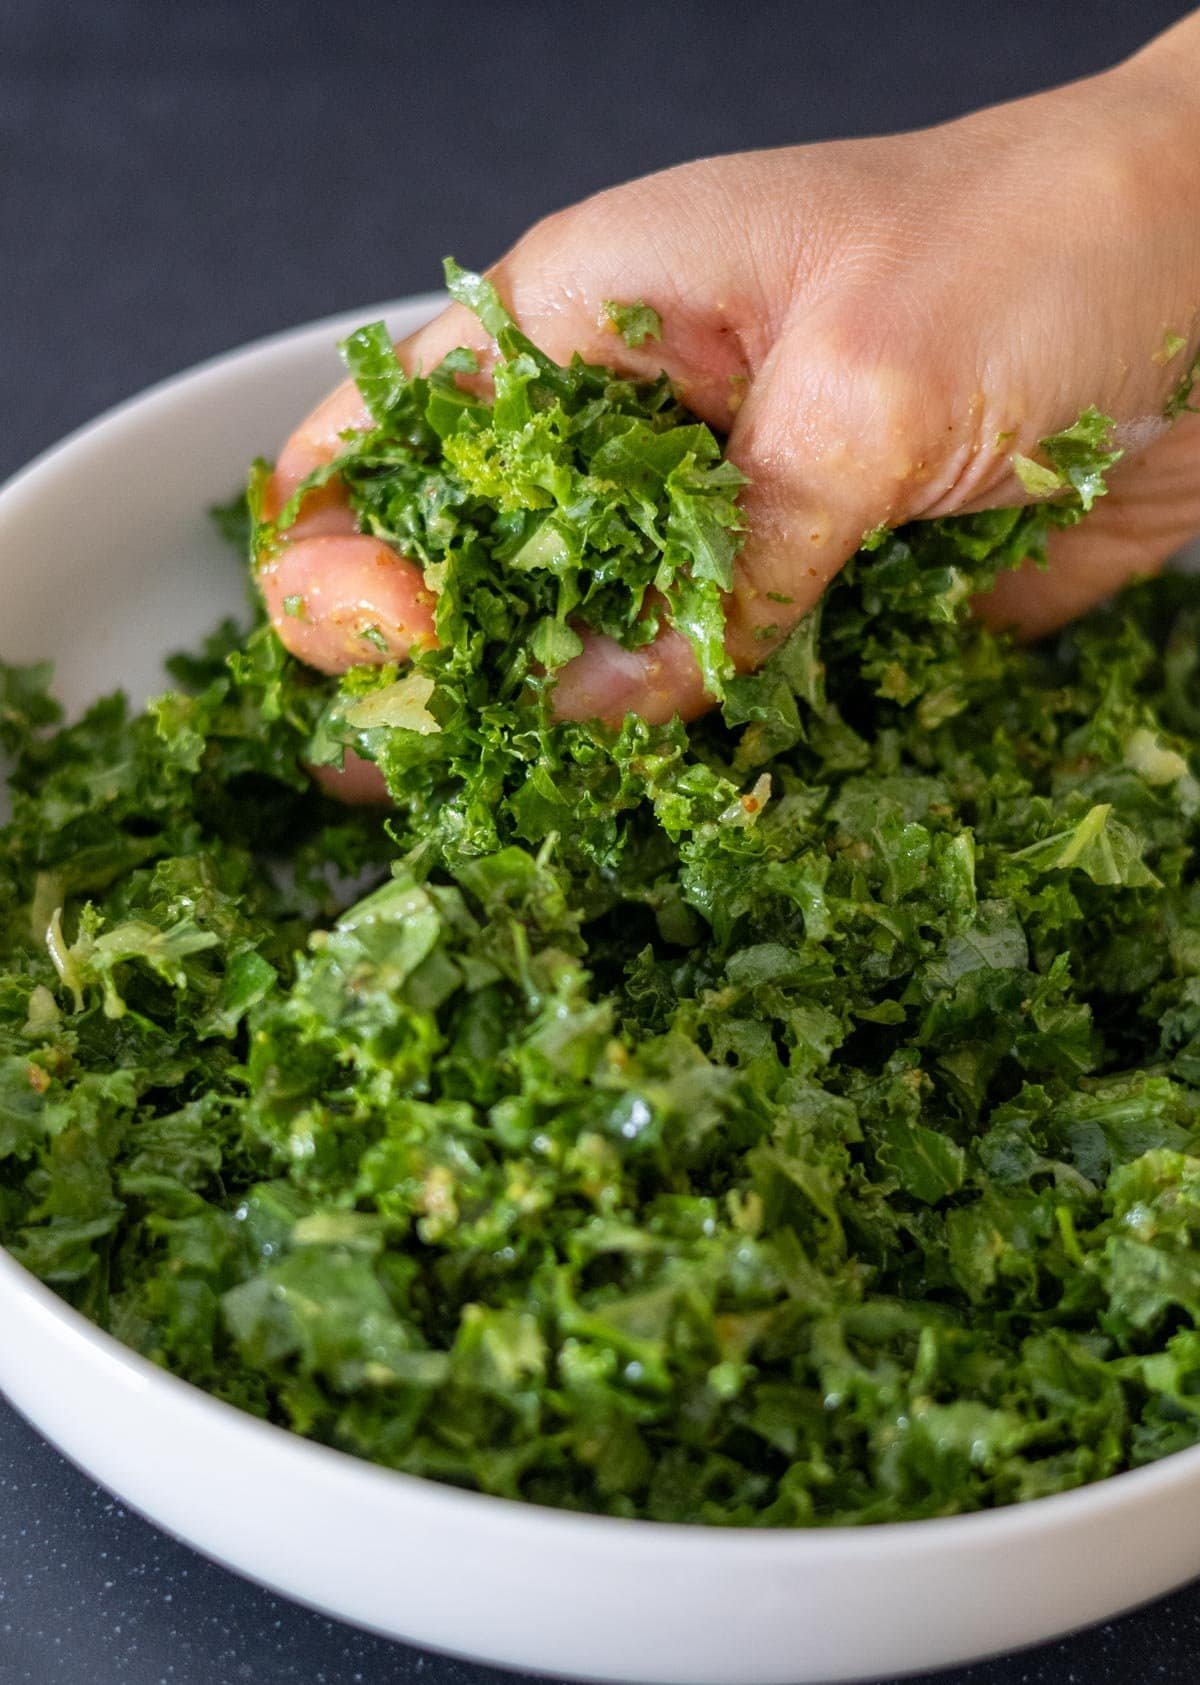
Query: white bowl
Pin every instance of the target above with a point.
(108, 561)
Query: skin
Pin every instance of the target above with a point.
(878, 326)
(339, 599)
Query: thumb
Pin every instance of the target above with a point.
(696, 247)
(831, 438)
(662, 240)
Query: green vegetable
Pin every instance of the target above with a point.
(577, 499)
(636, 322)
(1180, 400)
(1079, 460)
(793, 1119)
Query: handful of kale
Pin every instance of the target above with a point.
(793, 1119)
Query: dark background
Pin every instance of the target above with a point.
(179, 176)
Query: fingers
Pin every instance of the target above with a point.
(356, 782)
(804, 516)
(698, 244)
(802, 522)
(710, 249)
(827, 443)
(708, 362)
(1086, 565)
(1152, 509)
(343, 601)
(694, 268)
(314, 443)
(607, 682)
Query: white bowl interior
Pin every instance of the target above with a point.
(110, 559)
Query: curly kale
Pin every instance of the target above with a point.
(789, 1119)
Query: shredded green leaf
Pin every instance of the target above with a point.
(575, 499)
(1180, 401)
(1079, 460)
(636, 322)
(793, 1119)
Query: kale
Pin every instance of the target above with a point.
(789, 1119)
(636, 322)
(572, 498)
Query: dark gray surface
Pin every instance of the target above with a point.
(178, 176)
(91, 1593)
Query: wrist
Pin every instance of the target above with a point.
(1171, 59)
(1150, 105)
(1155, 99)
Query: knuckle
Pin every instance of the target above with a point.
(867, 402)
(879, 404)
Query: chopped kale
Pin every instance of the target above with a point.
(793, 1119)
(636, 322)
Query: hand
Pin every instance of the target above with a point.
(878, 326)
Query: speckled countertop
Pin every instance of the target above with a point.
(90, 1594)
(173, 182)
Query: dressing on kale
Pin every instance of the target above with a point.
(571, 498)
(793, 1119)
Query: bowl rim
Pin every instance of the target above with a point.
(1111, 1493)
(1103, 1498)
(335, 326)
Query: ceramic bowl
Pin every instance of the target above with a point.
(108, 561)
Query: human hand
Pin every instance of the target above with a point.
(878, 326)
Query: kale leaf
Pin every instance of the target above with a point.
(793, 1119)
